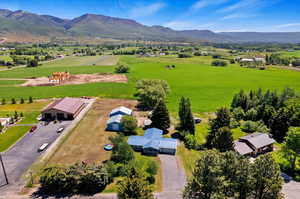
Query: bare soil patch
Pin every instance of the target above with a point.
(78, 79)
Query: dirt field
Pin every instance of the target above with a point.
(86, 142)
(78, 79)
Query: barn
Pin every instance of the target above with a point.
(63, 109)
(152, 143)
(120, 111)
(114, 123)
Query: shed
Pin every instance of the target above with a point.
(63, 109)
(114, 123)
(120, 111)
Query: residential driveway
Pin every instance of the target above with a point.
(18, 158)
(291, 190)
(173, 177)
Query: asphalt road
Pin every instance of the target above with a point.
(19, 158)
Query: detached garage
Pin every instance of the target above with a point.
(63, 109)
(114, 123)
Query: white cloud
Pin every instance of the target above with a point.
(237, 16)
(205, 3)
(146, 10)
(243, 4)
(288, 25)
(187, 25)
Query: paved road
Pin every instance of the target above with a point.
(174, 178)
(291, 190)
(18, 158)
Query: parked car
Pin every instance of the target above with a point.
(43, 147)
(286, 178)
(39, 118)
(33, 129)
(197, 120)
(60, 129)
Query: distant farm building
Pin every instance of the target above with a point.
(153, 143)
(59, 77)
(63, 109)
(254, 144)
(120, 111)
(114, 123)
(4, 121)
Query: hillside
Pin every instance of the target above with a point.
(98, 26)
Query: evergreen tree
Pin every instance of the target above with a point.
(3, 101)
(267, 182)
(16, 116)
(13, 101)
(207, 181)
(186, 117)
(243, 180)
(160, 117)
(22, 101)
(291, 148)
(222, 120)
(134, 186)
(279, 124)
(30, 100)
(223, 140)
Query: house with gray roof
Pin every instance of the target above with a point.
(254, 144)
(122, 110)
(153, 143)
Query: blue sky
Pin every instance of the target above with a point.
(216, 15)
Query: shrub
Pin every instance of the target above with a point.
(216, 56)
(190, 141)
(296, 63)
(238, 113)
(184, 55)
(219, 63)
(32, 63)
(251, 115)
(122, 69)
(122, 152)
(251, 127)
(129, 125)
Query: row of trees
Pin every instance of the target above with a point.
(226, 175)
(13, 101)
(275, 111)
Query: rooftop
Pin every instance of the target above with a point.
(116, 118)
(121, 109)
(258, 140)
(67, 105)
(242, 148)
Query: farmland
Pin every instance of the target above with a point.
(208, 87)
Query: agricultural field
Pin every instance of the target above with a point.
(208, 87)
(13, 134)
(291, 54)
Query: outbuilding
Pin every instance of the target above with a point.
(122, 110)
(63, 109)
(114, 123)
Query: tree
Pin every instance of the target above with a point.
(30, 100)
(16, 116)
(3, 101)
(279, 124)
(129, 125)
(186, 117)
(223, 140)
(243, 180)
(160, 117)
(150, 92)
(122, 152)
(207, 181)
(32, 63)
(1, 127)
(13, 101)
(222, 120)
(291, 147)
(267, 178)
(22, 101)
(134, 186)
(122, 69)
(219, 63)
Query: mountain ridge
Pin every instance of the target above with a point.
(101, 26)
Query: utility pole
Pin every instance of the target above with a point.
(1, 160)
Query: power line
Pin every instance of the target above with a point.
(1, 160)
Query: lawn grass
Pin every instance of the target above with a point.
(11, 82)
(11, 136)
(188, 158)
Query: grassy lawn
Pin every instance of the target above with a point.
(188, 158)
(11, 82)
(13, 134)
(208, 87)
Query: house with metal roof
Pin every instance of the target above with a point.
(122, 110)
(63, 109)
(114, 123)
(153, 143)
(254, 144)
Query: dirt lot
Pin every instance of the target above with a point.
(79, 79)
(86, 142)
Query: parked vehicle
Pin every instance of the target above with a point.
(197, 120)
(286, 178)
(61, 129)
(33, 129)
(39, 118)
(43, 147)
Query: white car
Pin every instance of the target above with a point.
(43, 147)
(60, 130)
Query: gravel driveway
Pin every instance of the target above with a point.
(291, 190)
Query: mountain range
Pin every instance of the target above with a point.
(99, 26)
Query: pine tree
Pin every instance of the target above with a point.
(22, 101)
(30, 100)
(186, 117)
(160, 117)
(223, 140)
(279, 124)
(13, 101)
(3, 101)
(134, 186)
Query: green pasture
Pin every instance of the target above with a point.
(291, 54)
(11, 82)
(208, 87)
